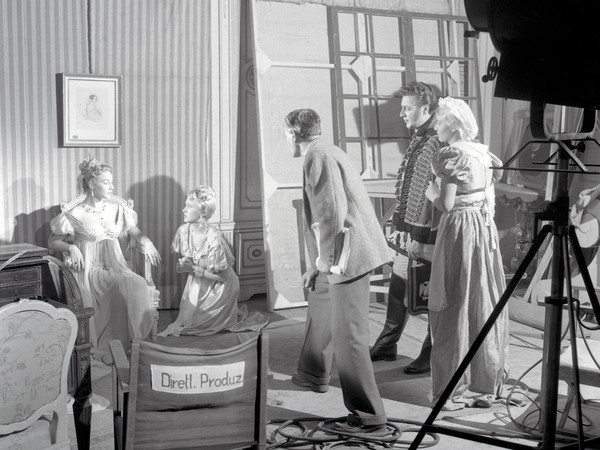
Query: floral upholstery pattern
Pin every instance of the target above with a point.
(35, 350)
(26, 387)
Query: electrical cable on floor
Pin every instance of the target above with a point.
(581, 322)
(322, 436)
(533, 430)
(587, 346)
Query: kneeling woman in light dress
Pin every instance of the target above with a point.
(467, 276)
(87, 231)
(209, 301)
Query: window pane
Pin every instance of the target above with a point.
(355, 154)
(391, 155)
(386, 35)
(352, 118)
(362, 70)
(470, 78)
(349, 80)
(373, 169)
(431, 72)
(369, 114)
(426, 37)
(461, 79)
(456, 43)
(454, 79)
(390, 124)
(378, 137)
(429, 65)
(346, 32)
(390, 75)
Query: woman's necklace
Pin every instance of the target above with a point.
(203, 240)
(98, 210)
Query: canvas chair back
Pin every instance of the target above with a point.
(197, 398)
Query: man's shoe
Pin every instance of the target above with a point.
(385, 354)
(379, 433)
(418, 367)
(319, 388)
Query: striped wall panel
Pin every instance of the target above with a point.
(161, 48)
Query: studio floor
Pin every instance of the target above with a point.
(405, 396)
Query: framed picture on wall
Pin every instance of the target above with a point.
(91, 113)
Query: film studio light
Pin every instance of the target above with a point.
(548, 49)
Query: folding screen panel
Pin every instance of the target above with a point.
(293, 70)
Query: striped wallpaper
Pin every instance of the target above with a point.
(162, 50)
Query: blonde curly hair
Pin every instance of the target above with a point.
(89, 169)
(207, 199)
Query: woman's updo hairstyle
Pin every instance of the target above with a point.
(305, 123)
(206, 197)
(90, 169)
(458, 116)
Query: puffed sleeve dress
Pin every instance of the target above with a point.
(209, 306)
(467, 280)
(121, 298)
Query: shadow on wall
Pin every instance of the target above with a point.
(37, 225)
(33, 227)
(383, 119)
(159, 202)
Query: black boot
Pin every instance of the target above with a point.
(421, 364)
(384, 347)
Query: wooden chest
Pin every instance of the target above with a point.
(21, 278)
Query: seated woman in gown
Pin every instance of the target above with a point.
(209, 301)
(87, 231)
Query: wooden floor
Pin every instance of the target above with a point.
(406, 397)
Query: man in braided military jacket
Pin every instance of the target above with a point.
(413, 219)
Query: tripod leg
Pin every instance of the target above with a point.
(573, 335)
(482, 334)
(589, 286)
(552, 336)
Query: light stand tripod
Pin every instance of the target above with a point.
(558, 213)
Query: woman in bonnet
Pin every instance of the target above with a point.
(87, 232)
(467, 276)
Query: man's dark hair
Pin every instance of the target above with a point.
(423, 92)
(306, 123)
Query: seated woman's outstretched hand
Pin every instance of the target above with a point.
(152, 254)
(75, 259)
(145, 245)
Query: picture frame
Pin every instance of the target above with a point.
(91, 110)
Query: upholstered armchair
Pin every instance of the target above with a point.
(36, 342)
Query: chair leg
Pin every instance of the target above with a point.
(154, 331)
(154, 298)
